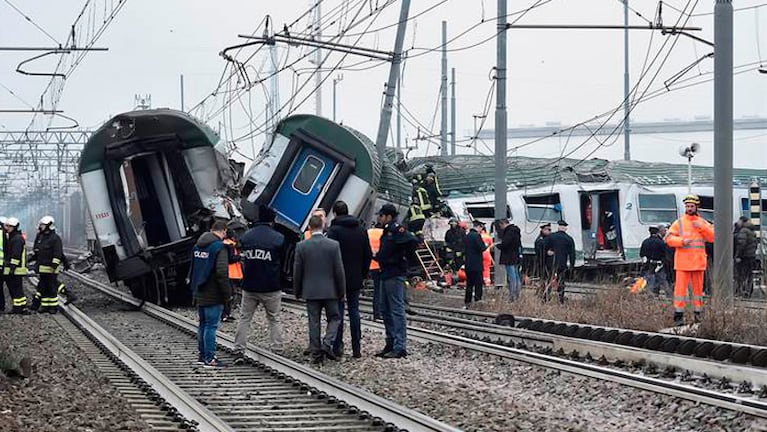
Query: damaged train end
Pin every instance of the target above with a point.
(154, 182)
(310, 163)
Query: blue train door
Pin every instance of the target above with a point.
(304, 183)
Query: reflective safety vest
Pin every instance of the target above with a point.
(235, 268)
(422, 198)
(692, 256)
(374, 235)
(414, 213)
(18, 261)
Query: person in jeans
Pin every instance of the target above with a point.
(261, 252)
(356, 255)
(474, 247)
(318, 276)
(397, 245)
(209, 281)
(511, 250)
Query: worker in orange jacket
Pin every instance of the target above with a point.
(374, 236)
(487, 258)
(235, 273)
(688, 236)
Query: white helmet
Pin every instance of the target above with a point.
(12, 221)
(46, 220)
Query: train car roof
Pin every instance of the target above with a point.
(122, 130)
(475, 173)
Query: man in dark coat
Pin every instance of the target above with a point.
(539, 266)
(262, 250)
(209, 281)
(653, 254)
(474, 247)
(318, 276)
(454, 245)
(746, 243)
(560, 247)
(356, 255)
(511, 251)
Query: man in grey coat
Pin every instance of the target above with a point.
(318, 277)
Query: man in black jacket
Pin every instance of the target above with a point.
(15, 265)
(356, 255)
(209, 281)
(454, 245)
(48, 253)
(746, 243)
(511, 251)
(474, 247)
(539, 266)
(262, 249)
(653, 254)
(560, 247)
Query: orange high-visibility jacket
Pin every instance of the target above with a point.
(690, 257)
(374, 234)
(235, 268)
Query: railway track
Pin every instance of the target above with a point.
(268, 393)
(736, 387)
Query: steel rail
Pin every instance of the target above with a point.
(376, 406)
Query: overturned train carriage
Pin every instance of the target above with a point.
(154, 182)
(311, 163)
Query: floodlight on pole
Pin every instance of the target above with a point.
(689, 152)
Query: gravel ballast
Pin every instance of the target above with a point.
(65, 392)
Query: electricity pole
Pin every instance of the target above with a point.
(443, 93)
(391, 86)
(317, 35)
(626, 125)
(723, 171)
(501, 118)
(452, 112)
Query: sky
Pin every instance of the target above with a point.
(565, 76)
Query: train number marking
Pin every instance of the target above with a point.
(102, 215)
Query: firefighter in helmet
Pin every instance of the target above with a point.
(48, 254)
(688, 236)
(15, 265)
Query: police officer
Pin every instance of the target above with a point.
(15, 265)
(48, 253)
(653, 254)
(397, 244)
(560, 247)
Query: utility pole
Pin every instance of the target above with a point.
(626, 125)
(317, 35)
(723, 110)
(273, 103)
(452, 112)
(443, 93)
(399, 113)
(182, 92)
(336, 80)
(501, 131)
(391, 86)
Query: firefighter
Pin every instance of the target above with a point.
(688, 235)
(454, 246)
(2, 263)
(415, 220)
(15, 265)
(421, 197)
(48, 254)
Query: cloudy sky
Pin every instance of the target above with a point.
(565, 76)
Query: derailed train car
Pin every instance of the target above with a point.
(154, 182)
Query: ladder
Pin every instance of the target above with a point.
(429, 263)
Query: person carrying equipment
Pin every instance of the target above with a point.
(688, 235)
(48, 254)
(15, 265)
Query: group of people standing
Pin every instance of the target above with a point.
(330, 266)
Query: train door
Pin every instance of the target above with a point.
(301, 188)
(601, 225)
(588, 227)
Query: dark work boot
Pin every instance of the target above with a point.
(678, 319)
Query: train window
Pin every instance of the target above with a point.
(706, 208)
(308, 174)
(657, 208)
(485, 212)
(543, 208)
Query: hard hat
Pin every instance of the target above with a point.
(691, 199)
(46, 220)
(12, 221)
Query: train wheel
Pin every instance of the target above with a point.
(143, 288)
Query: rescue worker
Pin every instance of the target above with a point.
(430, 172)
(2, 263)
(688, 235)
(48, 254)
(487, 257)
(374, 236)
(397, 244)
(415, 220)
(539, 266)
(746, 243)
(15, 265)
(454, 246)
(474, 247)
(235, 269)
(560, 247)
(653, 254)
(434, 196)
(421, 197)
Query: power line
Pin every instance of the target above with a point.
(26, 17)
